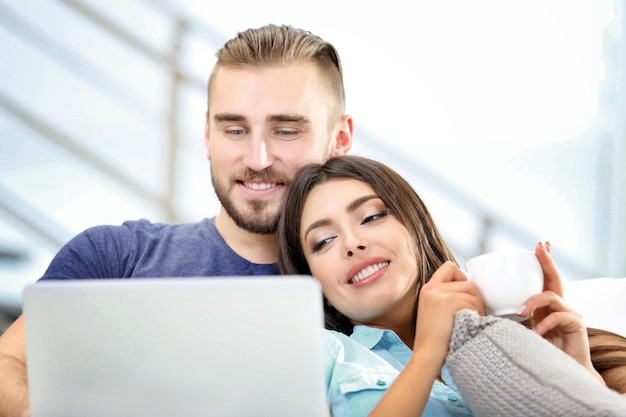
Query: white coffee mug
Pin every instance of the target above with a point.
(506, 279)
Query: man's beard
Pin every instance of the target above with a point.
(257, 222)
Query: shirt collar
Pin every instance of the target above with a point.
(371, 336)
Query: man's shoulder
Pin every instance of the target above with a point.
(141, 236)
(142, 248)
(145, 225)
(154, 230)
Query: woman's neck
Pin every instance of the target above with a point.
(402, 323)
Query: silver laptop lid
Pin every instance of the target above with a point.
(226, 346)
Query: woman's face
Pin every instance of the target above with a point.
(361, 254)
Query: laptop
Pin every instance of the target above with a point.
(218, 346)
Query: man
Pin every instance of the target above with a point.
(275, 101)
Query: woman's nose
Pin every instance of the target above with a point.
(357, 246)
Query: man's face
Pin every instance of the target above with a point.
(263, 125)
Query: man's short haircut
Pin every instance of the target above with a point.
(274, 45)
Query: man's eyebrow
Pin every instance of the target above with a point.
(351, 208)
(228, 117)
(233, 117)
(294, 118)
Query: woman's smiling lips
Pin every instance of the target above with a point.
(367, 270)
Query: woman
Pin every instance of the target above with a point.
(392, 289)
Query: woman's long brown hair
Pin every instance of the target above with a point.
(400, 198)
(608, 355)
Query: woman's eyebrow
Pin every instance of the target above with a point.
(359, 202)
(315, 225)
(350, 209)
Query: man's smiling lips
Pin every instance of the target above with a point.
(258, 188)
(260, 185)
(366, 269)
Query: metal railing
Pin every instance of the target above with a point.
(169, 59)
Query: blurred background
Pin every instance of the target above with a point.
(508, 117)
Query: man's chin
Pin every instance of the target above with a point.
(257, 216)
(257, 225)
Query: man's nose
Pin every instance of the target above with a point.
(258, 155)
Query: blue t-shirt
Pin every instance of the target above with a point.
(144, 249)
(361, 367)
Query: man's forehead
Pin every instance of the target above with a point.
(282, 93)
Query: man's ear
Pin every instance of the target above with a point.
(343, 138)
(206, 136)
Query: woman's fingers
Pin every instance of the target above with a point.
(439, 300)
(546, 299)
(566, 321)
(551, 276)
(447, 272)
(566, 331)
(555, 314)
(449, 287)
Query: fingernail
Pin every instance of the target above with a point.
(521, 310)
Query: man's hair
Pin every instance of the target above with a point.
(272, 46)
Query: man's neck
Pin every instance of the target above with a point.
(255, 247)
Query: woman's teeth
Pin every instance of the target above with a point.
(366, 272)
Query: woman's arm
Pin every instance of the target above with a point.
(447, 292)
(409, 393)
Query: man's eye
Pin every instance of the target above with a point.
(235, 133)
(286, 134)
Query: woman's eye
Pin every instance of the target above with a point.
(317, 246)
(375, 216)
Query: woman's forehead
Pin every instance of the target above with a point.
(332, 198)
(340, 189)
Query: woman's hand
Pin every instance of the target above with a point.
(447, 292)
(552, 284)
(553, 319)
(560, 325)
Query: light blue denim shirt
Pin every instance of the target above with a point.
(360, 368)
